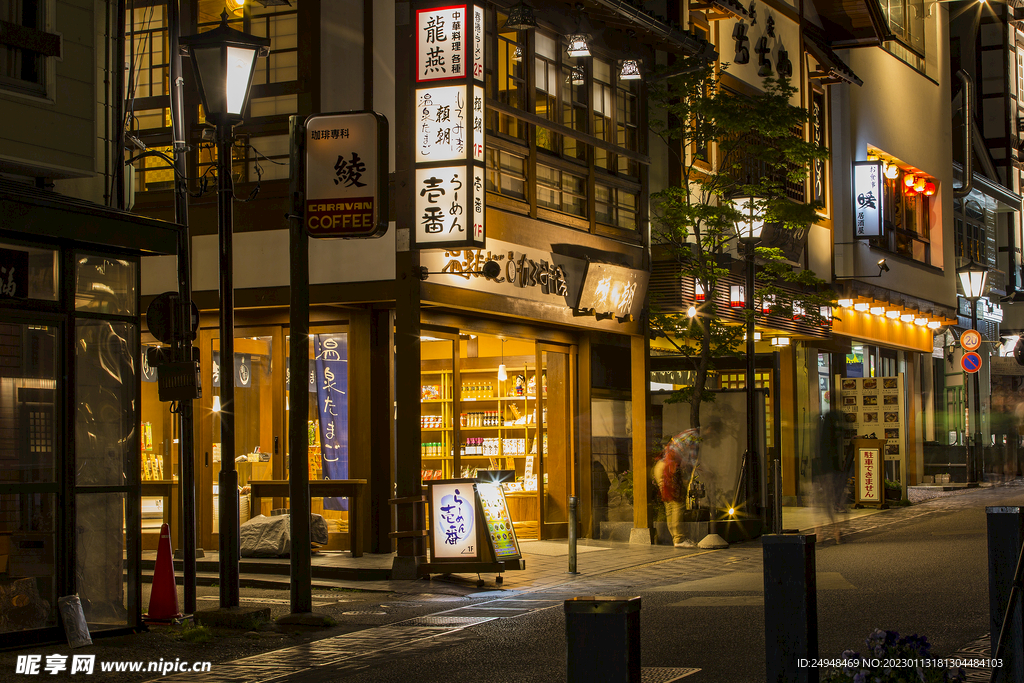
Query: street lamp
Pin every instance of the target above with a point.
(224, 60)
(973, 278)
(748, 232)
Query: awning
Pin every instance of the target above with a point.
(721, 9)
(853, 23)
(26, 212)
(831, 69)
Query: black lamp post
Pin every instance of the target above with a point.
(973, 278)
(224, 60)
(748, 231)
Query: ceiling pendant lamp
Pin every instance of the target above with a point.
(520, 18)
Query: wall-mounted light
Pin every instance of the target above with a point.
(878, 310)
(799, 313)
(825, 312)
(780, 341)
(844, 303)
(757, 336)
(576, 76)
(861, 306)
(698, 292)
(920, 322)
(934, 324)
(892, 314)
(767, 301)
(630, 70)
(907, 318)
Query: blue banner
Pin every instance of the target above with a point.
(331, 356)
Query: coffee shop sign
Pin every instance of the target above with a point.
(519, 271)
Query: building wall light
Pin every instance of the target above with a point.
(780, 341)
(861, 306)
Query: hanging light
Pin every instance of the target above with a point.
(919, 185)
(630, 70)
(502, 372)
(929, 189)
(799, 312)
(578, 41)
(520, 18)
(698, 292)
(767, 301)
(825, 313)
(780, 341)
(216, 404)
(576, 76)
(737, 298)
(892, 171)
(909, 180)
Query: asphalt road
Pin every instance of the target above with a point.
(928, 577)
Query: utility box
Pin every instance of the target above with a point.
(603, 639)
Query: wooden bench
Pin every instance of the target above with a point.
(321, 488)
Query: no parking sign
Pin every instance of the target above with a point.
(970, 362)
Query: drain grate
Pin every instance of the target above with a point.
(362, 613)
(664, 674)
(444, 621)
(490, 611)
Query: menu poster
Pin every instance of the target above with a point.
(453, 520)
(873, 407)
(499, 524)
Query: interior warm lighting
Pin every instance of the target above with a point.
(929, 189)
(502, 374)
(919, 185)
(216, 404)
(861, 306)
(732, 511)
(845, 303)
(892, 171)
(934, 325)
(780, 341)
(909, 180)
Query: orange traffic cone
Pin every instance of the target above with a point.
(163, 598)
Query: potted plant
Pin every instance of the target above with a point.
(893, 490)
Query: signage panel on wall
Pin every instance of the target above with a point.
(611, 289)
(867, 199)
(449, 132)
(346, 175)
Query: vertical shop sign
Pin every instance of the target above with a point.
(448, 194)
(867, 199)
(818, 124)
(346, 175)
(869, 479)
(331, 356)
(242, 367)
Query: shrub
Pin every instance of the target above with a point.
(882, 648)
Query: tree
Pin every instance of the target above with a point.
(728, 144)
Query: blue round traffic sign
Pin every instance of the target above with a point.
(970, 362)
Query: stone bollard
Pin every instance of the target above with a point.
(1005, 535)
(790, 608)
(603, 639)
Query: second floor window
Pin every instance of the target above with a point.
(25, 46)
(906, 21)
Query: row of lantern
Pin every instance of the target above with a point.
(912, 183)
(891, 313)
(737, 299)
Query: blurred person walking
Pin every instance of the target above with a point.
(829, 469)
(673, 473)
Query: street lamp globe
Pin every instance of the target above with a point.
(751, 223)
(973, 278)
(224, 60)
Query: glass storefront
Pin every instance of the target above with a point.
(501, 403)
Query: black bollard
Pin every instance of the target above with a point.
(573, 502)
(603, 640)
(1005, 536)
(790, 608)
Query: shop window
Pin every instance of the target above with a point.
(1020, 76)
(574, 111)
(506, 173)
(147, 46)
(603, 111)
(615, 206)
(906, 222)
(627, 117)
(105, 285)
(42, 271)
(561, 191)
(154, 172)
(25, 46)
(507, 82)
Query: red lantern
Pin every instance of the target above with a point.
(909, 179)
(919, 185)
(929, 189)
